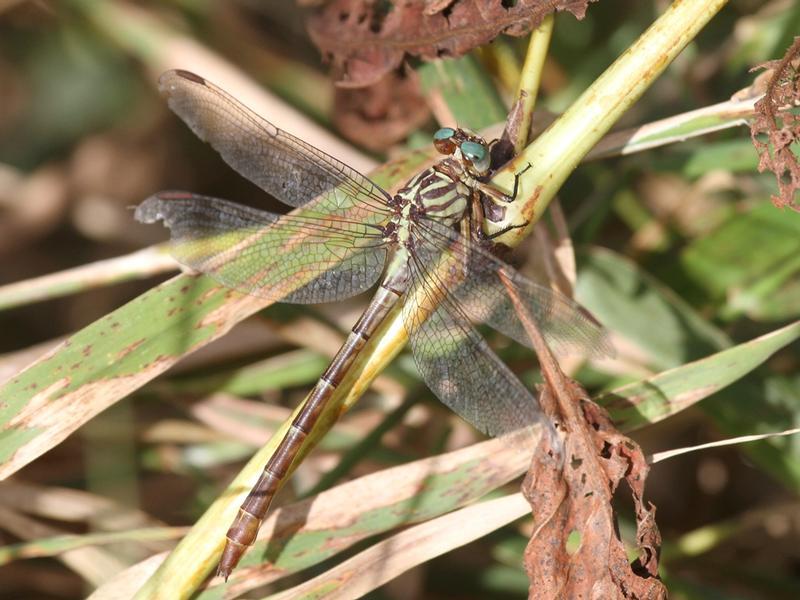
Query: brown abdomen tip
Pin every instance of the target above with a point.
(190, 76)
(231, 555)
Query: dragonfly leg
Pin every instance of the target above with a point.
(491, 236)
(516, 183)
(496, 194)
(485, 210)
(493, 212)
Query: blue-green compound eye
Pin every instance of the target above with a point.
(477, 155)
(473, 151)
(445, 133)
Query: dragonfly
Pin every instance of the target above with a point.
(424, 246)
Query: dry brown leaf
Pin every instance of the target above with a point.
(503, 149)
(570, 487)
(570, 490)
(379, 116)
(65, 504)
(366, 39)
(95, 565)
(779, 126)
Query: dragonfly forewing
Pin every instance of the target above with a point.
(281, 164)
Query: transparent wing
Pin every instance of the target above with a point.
(300, 257)
(284, 166)
(455, 361)
(481, 294)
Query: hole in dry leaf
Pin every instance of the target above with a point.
(783, 138)
(379, 13)
(761, 137)
(576, 462)
(606, 451)
(573, 542)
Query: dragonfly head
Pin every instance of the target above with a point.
(468, 148)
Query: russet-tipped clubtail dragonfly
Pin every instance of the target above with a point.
(425, 244)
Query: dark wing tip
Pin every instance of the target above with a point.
(589, 316)
(148, 211)
(157, 207)
(188, 75)
(170, 81)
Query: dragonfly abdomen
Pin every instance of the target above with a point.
(244, 529)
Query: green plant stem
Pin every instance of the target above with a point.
(531, 77)
(556, 153)
(500, 58)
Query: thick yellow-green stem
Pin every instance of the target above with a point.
(555, 153)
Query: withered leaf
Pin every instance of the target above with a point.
(378, 116)
(365, 39)
(775, 128)
(570, 488)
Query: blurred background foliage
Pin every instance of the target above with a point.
(679, 251)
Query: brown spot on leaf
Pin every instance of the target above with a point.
(129, 348)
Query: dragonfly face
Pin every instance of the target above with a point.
(466, 147)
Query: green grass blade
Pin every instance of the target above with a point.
(667, 393)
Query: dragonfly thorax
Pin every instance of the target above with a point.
(436, 193)
(443, 192)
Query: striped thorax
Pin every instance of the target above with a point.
(443, 192)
